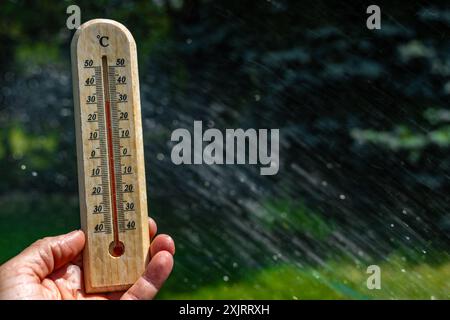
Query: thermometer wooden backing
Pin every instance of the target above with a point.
(111, 174)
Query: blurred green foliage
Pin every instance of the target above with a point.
(403, 137)
(364, 125)
(26, 218)
(31, 149)
(291, 216)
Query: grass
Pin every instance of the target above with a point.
(26, 218)
(338, 281)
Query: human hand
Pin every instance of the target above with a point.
(52, 268)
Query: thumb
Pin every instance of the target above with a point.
(48, 254)
(148, 285)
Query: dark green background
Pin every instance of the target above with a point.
(364, 141)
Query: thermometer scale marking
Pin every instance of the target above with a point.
(104, 164)
(117, 246)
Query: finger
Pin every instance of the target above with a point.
(48, 254)
(152, 228)
(148, 285)
(162, 242)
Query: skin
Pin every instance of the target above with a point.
(52, 269)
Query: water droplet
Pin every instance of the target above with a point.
(23, 167)
(65, 112)
(160, 156)
(342, 197)
(226, 278)
(34, 174)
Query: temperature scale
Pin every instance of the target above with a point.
(111, 174)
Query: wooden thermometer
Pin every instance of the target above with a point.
(111, 173)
